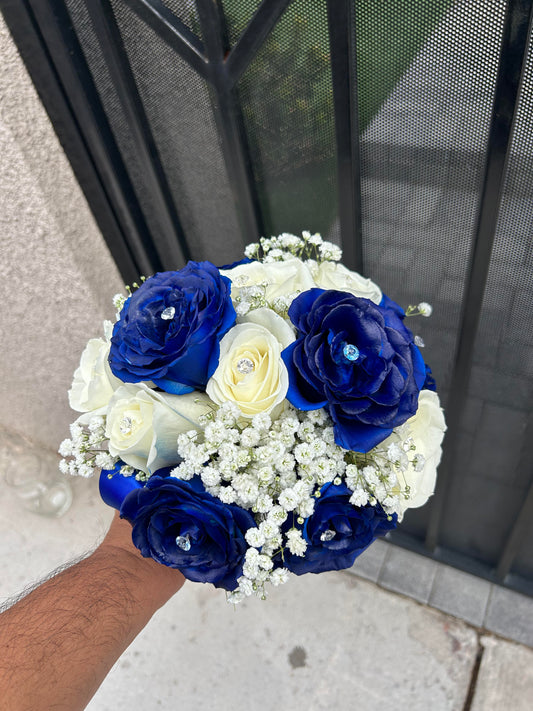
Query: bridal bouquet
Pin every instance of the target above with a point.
(268, 417)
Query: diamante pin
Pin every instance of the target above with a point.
(168, 313)
(183, 542)
(350, 352)
(419, 341)
(327, 535)
(126, 425)
(245, 366)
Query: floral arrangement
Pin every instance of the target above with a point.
(268, 417)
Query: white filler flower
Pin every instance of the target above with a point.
(250, 371)
(279, 278)
(425, 309)
(427, 428)
(143, 424)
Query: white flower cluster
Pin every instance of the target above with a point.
(379, 476)
(284, 266)
(274, 469)
(87, 450)
(287, 246)
(256, 296)
(119, 299)
(421, 309)
(118, 302)
(251, 296)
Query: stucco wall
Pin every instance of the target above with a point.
(57, 276)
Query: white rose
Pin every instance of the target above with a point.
(93, 383)
(250, 371)
(281, 278)
(331, 275)
(427, 428)
(143, 425)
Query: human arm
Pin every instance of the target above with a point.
(59, 642)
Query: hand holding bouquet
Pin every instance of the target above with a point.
(272, 416)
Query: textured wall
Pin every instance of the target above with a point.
(57, 276)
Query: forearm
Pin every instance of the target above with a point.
(59, 642)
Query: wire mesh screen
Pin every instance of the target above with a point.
(432, 128)
(178, 107)
(185, 10)
(286, 95)
(238, 15)
(113, 108)
(497, 454)
(420, 216)
(177, 104)
(247, 134)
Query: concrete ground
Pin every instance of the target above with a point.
(320, 642)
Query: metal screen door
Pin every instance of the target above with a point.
(402, 130)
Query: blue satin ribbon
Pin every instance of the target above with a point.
(113, 491)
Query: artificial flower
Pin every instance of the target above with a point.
(182, 526)
(332, 275)
(170, 327)
(93, 382)
(337, 532)
(356, 359)
(426, 428)
(143, 424)
(250, 370)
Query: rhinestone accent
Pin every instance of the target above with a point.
(126, 425)
(350, 352)
(183, 542)
(168, 313)
(419, 341)
(327, 535)
(245, 366)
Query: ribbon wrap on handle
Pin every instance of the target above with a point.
(115, 489)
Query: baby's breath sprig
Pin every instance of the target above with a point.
(421, 309)
(86, 450)
(286, 246)
(379, 475)
(249, 297)
(120, 299)
(254, 296)
(118, 302)
(276, 469)
(135, 285)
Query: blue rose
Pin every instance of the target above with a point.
(179, 524)
(170, 328)
(337, 532)
(357, 360)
